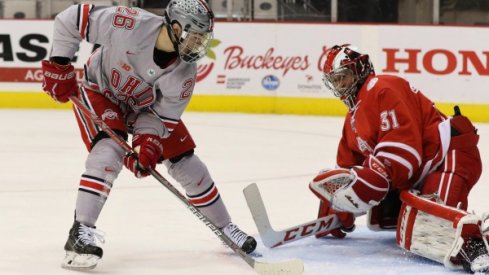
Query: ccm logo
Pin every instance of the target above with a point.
(308, 229)
(59, 76)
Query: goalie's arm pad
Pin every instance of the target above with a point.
(433, 230)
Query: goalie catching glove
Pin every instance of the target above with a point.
(349, 192)
(59, 80)
(353, 190)
(149, 149)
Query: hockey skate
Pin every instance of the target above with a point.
(244, 241)
(475, 256)
(82, 253)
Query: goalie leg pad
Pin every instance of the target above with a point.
(435, 231)
(485, 224)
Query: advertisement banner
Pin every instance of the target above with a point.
(448, 64)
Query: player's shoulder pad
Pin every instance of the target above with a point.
(146, 28)
(380, 82)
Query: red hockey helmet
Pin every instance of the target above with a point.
(344, 72)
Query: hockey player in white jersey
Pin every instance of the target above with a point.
(139, 82)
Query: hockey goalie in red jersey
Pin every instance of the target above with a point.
(404, 164)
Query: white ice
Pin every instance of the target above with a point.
(149, 231)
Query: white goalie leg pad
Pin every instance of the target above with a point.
(433, 230)
(485, 229)
(485, 224)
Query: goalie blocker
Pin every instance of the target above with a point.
(444, 234)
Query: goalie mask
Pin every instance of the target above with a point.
(197, 21)
(344, 72)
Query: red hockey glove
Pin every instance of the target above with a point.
(131, 162)
(347, 220)
(149, 150)
(464, 134)
(59, 80)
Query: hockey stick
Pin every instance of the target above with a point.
(292, 267)
(272, 238)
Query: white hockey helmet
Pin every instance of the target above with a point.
(197, 22)
(344, 71)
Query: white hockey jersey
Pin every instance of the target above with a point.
(123, 69)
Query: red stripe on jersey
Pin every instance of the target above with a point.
(87, 124)
(91, 126)
(95, 185)
(85, 11)
(206, 198)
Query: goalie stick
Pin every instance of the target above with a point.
(292, 267)
(272, 238)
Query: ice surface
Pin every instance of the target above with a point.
(148, 231)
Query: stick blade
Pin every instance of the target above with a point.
(290, 267)
(257, 207)
(255, 203)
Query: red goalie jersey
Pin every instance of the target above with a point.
(401, 127)
(397, 124)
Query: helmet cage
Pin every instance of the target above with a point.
(344, 71)
(197, 22)
(192, 46)
(342, 80)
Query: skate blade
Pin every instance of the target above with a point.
(76, 261)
